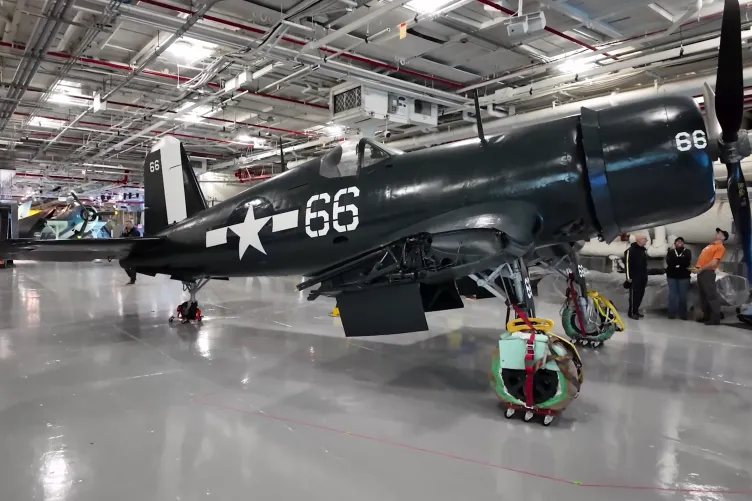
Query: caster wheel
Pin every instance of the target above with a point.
(585, 343)
(547, 420)
(171, 319)
(509, 413)
(596, 344)
(528, 416)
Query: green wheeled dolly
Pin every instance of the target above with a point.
(533, 371)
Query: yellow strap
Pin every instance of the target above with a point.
(601, 302)
(541, 324)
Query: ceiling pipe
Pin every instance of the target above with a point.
(39, 44)
(152, 57)
(614, 46)
(685, 50)
(296, 41)
(353, 25)
(125, 67)
(176, 134)
(208, 118)
(689, 87)
(108, 15)
(553, 31)
(64, 178)
(286, 54)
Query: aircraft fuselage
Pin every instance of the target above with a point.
(596, 173)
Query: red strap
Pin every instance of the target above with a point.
(529, 356)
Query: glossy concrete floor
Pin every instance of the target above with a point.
(102, 399)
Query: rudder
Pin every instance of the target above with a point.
(171, 189)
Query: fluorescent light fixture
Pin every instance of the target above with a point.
(46, 123)
(64, 92)
(263, 71)
(574, 66)
(195, 115)
(334, 129)
(188, 50)
(426, 6)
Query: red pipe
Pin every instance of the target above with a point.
(67, 178)
(97, 124)
(213, 119)
(296, 41)
(125, 67)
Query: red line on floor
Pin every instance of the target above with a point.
(203, 401)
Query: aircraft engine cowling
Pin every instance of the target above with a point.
(648, 163)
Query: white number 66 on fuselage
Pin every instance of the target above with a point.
(337, 210)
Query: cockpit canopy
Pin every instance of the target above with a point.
(344, 161)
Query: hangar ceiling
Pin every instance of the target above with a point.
(88, 85)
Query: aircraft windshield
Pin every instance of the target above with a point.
(349, 158)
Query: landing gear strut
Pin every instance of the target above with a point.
(532, 370)
(189, 310)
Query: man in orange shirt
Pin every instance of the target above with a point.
(707, 263)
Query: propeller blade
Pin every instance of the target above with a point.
(729, 109)
(711, 119)
(729, 83)
(88, 214)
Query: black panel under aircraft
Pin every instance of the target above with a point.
(385, 310)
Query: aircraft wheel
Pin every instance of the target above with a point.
(528, 416)
(547, 420)
(509, 413)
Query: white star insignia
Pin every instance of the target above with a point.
(248, 232)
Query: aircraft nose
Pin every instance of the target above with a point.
(655, 163)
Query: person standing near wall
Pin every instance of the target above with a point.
(636, 260)
(707, 264)
(678, 262)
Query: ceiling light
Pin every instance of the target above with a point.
(195, 115)
(46, 123)
(573, 66)
(188, 50)
(334, 129)
(244, 138)
(426, 6)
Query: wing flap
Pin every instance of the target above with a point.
(85, 249)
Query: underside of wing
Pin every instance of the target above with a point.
(389, 290)
(84, 249)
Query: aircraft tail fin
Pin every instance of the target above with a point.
(171, 189)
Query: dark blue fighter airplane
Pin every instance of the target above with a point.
(411, 233)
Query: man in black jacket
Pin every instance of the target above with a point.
(130, 231)
(678, 262)
(636, 259)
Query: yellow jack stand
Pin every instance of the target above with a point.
(335, 312)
